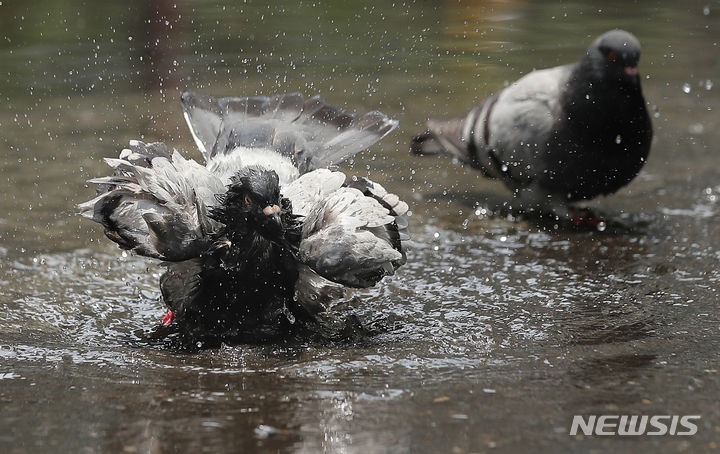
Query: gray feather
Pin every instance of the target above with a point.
(203, 117)
(309, 133)
(156, 207)
(315, 293)
(350, 234)
(312, 188)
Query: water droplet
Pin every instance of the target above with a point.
(686, 88)
(708, 84)
(696, 128)
(289, 315)
(706, 10)
(618, 139)
(504, 168)
(436, 234)
(601, 226)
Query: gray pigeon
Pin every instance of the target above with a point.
(264, 233)
(557, 135)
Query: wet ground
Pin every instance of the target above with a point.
(496, 332)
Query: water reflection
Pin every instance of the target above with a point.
(612, 382)
(603, 322)
(177, 417)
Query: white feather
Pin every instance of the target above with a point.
(226, 165)
(312, 188)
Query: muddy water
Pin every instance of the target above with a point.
(493, 336)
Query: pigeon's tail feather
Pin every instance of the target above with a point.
(441, 137)
(258, 122)
(424, 144)
(203, 117)
(466, 139)
(310, 133)
(338, 141)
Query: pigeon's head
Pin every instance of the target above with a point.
(252, 202)
(615, 54)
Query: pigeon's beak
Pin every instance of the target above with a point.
(631, 70)
(272, 221)
(271, 209)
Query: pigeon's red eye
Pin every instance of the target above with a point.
(248, 202)
(612, 56)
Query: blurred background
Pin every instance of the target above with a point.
(498, 331)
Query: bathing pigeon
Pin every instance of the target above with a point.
(557, 135)
(265, 233)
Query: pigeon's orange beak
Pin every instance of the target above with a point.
(272, 224)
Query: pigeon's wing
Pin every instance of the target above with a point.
(510, 130)
(312, 188)
(354, 232)
(180, 284)
(155, 203)
(287, 133)
(503, 134)
(315, 293)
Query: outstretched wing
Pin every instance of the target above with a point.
(278, 132)
(354, 232)
(155, 203)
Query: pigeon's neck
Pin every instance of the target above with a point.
(242, 246)
(250, 249)
(591, 94)
(250, 262)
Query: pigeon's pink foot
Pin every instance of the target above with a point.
(169, 318)
(586, 218)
